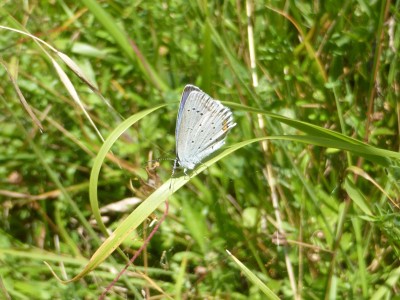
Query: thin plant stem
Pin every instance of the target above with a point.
(102, 296)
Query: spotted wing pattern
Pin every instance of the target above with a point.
(201, 128)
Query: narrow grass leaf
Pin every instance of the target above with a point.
(22, 99)
(386, 290)
(254, 279)
(121, 38)
(357, 197)
(100, 158)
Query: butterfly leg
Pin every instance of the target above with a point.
(173, 171)
(175, 167)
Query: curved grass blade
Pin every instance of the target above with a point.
(321, 137)
(328, 138)
(254, 279)
(98, 162)
(147, 207)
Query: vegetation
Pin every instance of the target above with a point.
(302, 203)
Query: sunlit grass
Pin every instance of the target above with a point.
(304, 197)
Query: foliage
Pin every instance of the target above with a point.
(305, 197)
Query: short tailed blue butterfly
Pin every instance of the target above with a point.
(201, 127)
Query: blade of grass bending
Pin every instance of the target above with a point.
(254, 279)
(132, 260)
(328, 138)
(98, 162)
(147, 207)
(163, 192)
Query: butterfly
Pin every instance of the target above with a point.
(201, 127)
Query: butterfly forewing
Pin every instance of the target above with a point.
(192, 114)
(186, 91)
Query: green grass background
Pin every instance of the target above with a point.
(304, 197)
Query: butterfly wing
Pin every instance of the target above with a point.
(186, 91)
(203, 126)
